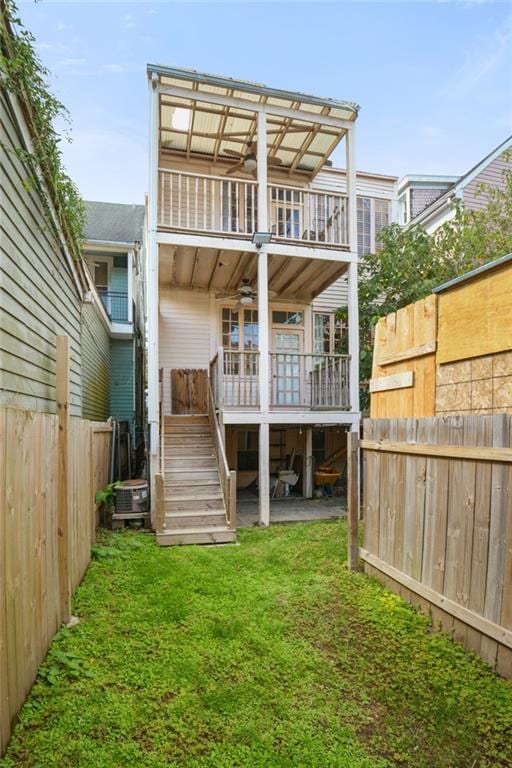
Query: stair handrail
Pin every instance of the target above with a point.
(159, 487)
(227, 476)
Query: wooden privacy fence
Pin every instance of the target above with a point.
(50, 469)
(438, 522)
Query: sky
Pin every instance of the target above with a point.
(433, 79)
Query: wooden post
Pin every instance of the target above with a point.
(232, 500)
(160, 503)
(62, 388)
(352, 499)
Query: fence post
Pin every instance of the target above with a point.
(352, 498)
(62, 392)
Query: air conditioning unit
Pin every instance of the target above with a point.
(131, 500)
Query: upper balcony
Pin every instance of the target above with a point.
(192, 202)
(231, 157)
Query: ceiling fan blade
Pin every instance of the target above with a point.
(234, 168)
(232, 153)
(274, 161)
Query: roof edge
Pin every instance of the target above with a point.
(194, 75)
(473, 273)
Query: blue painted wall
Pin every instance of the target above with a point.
(122, 404)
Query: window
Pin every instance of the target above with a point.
(318, 446)
(247, 451)
(381, 219)
(329, 336)
(286, 213)
(372, 216)
(229, 207)
(239, 334)
(287, 318)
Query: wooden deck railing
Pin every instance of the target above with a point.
(226, 205)
(307, 216)
(309, 381)
(227, 476)
(312, 382)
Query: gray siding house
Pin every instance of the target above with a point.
(41, 286)
(428, 200)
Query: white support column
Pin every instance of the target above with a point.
(264, 475)
(353, 308)
(263, 324)
(130, 297)
(308, 463)
(152, 280)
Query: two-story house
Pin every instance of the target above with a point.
(113, 344)
(244, 234)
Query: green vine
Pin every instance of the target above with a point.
(23, 74)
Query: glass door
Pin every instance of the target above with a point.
(286, 368)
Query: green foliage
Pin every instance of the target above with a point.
(24, 75)
(60, 665)
(106, 495)
(411, 262)
(266, 655)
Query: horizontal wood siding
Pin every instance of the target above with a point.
(95, 365)
(184, 328)
(492, 175)
(335, 296)
(122, 405)
(38, 298)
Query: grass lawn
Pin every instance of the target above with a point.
(266, 654)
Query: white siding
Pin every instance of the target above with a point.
(333, 180)
(335, 296)
(185, 326)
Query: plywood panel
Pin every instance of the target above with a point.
(475, 317)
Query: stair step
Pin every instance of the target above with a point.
(184, 442)
(208, 534)
(194, 493)
(193, 518)
(185, 463)
(176, 476)
(189, 429)
(186, 419)
(173, 506)
(194, 482)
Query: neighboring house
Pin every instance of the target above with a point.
(428, 201)
(113, 323)
(45, 292)
(245, 232)
(41, 286)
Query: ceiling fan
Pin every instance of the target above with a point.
(248, 161)
(245, 294)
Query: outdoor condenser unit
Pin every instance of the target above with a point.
(132, 497)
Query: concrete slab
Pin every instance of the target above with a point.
(291, 510)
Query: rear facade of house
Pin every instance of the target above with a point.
(253, 244)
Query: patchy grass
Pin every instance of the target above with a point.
(267, 654)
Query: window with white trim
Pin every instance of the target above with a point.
(373, 215)
(239, 329)
(328, 334)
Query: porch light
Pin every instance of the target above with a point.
(250, 163)
(261, 238)
(246, 299)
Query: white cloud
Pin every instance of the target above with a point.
(129, 22)
(61, 27)
(480, 62)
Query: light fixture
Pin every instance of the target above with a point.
(261, 238)
(246, 299)
(250, 162)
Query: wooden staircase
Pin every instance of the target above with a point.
(194, 510)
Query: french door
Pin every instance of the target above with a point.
(287, 363)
